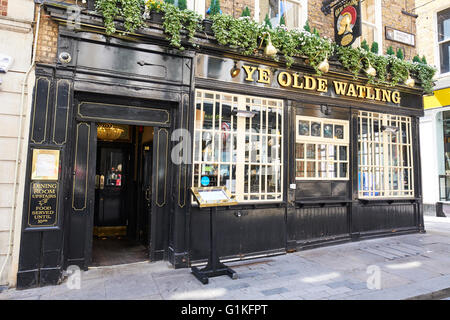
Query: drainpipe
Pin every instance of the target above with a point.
(19, 138)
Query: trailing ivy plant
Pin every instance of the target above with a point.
(350, 59)
(425, 74)
(241, 33)
(175, 20)
(130, 10)
(246, 35)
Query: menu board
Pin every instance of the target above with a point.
(213, 196)
(43, 205)
(45, 164)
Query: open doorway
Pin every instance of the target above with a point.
(123, 179)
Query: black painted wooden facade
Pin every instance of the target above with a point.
(147, 83)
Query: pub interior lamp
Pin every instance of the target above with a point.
(270, 49)
(410, 81)
(108, 131)
(370, 70)
(234, 72)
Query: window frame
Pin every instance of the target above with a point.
(317, 141)
(386, 190)
(239, 162)
(377, 26)
(303, 11)
(439, 43)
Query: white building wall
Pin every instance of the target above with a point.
(431, 126)
(16, 40)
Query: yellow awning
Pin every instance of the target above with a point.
(440, 98)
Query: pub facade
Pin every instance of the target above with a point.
(312, 159)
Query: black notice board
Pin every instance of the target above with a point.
(43, 205)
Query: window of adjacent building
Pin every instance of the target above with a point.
(371, 23)
(385, 158)
(294, 12)
(443, 20)
(321, 149)
(198, 6)
(243, 153)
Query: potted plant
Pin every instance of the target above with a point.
(214, 8)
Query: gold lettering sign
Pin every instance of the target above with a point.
(294, 80)
(43, 204)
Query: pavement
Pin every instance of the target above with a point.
(415, 266)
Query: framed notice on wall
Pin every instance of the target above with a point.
(43, 205)
(45, 165)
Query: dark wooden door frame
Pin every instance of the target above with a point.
(160, 199)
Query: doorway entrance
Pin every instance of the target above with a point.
(122, 210)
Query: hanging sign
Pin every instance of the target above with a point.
(347, 23)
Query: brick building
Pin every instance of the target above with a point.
(303, 186)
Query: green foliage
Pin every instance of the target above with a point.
(282, 21)
(350, 59)
(246, 12)
(307, 27)
(169, 1)
(175, 21)
(417, 59)
(214, 8)
(267, 22)
(374, 47)
(399, 54)
(390, 51)
(424, 60)
(364, 45)
(246, 36)
(425, 74)
(130, 10)
(236, 33)
(182, 4)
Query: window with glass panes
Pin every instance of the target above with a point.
(371, 29)
(242, 152)
(294, 12)
(385, 158)
(321, 149)
(443, 20)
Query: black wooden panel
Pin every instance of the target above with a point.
(385, 217)
(239, 232)
(40, 110)
(131, 62)
(263, 230)
(123, 114)
(82, 205)
(313, 189)
(79, 191)
(160, 199)
(317, 222)
(61, 117)
(339, 189)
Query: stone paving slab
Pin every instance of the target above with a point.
(409, 265)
